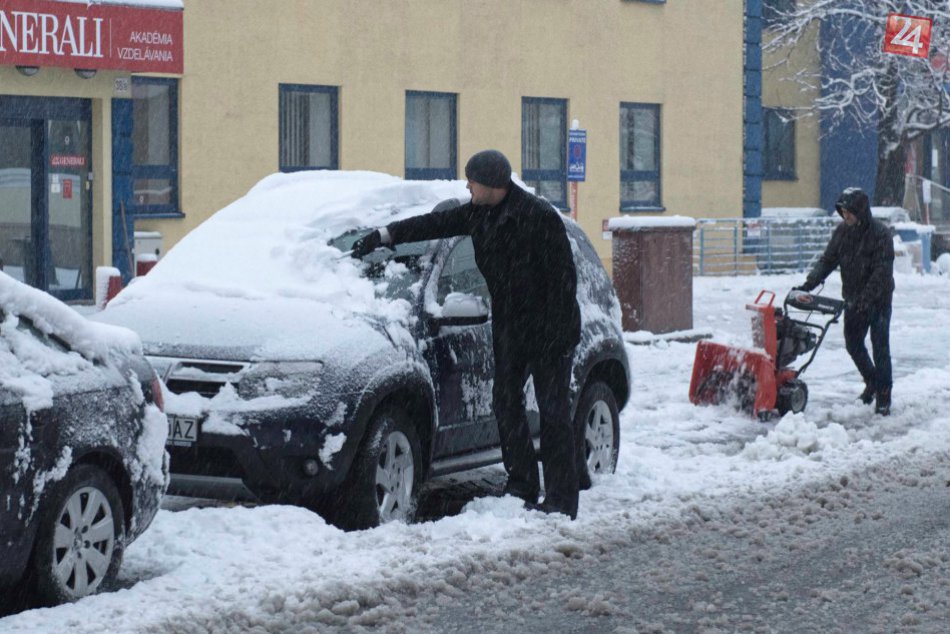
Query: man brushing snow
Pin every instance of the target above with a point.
(522, 251)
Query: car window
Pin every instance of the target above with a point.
(460, 274)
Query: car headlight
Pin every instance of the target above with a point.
(291, 379)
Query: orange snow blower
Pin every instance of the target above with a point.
(760, 380)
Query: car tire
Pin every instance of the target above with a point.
(383, 483)
(80, 537)
(597, 424)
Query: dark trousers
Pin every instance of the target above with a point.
(877, 319)
(552, 381)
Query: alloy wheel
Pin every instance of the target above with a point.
(395, 477)
(599, 438)
(83, 541)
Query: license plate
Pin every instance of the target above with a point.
(182, 431)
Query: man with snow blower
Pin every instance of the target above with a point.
(864, 250)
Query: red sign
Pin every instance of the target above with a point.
(67, 160)
(90, 36)
(68, 188)
(907, 35)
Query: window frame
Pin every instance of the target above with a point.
(334, 92)
(656, 175)
(432, 173)
(172, 209)
(532, 175)
(769, 171)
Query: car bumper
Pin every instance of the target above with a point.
(265, 464)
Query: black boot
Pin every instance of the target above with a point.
(527, 492)
(867, 396)
(883, 405)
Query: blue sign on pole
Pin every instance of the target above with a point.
(576, 155)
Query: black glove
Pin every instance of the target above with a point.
(367, 244)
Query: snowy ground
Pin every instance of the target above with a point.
(275, 568)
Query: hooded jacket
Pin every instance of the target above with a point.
(864, 252)
(522, 250)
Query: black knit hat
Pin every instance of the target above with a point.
(489, 168)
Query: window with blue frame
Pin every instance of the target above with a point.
(154, 170)
(639, 156)
(431, 135)
(309, 127)
(779, 147)
(544, 147)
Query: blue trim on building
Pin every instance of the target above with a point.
(848, 153)
(752, 169)
(123, 220)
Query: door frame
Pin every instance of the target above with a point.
(35, 112)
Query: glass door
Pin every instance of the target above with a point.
(69, 215)
(18, 258)
(45, 193)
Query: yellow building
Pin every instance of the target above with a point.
(408, 87)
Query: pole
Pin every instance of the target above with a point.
(574, 200)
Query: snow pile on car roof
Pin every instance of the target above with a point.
(273, 242)
(27, 362)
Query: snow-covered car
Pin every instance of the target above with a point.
(298, 374)
(83, 465)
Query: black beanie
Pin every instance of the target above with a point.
(489, 168)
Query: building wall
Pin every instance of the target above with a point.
(491, 53)
(778, 91)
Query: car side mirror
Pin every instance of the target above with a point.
(463, 309)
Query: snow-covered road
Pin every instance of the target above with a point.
(281, 568)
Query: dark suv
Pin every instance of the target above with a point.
(82, 462)
(353, 414)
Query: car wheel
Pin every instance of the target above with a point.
(80, 536)
(598, 418)
(384, 479)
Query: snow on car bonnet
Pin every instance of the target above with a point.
(266, 256)
(33, 328)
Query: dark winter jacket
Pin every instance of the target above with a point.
(522, 250)
(865, 253)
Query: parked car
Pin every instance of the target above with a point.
(300, 375)
(82, 460)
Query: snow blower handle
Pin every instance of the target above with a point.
(801, 300)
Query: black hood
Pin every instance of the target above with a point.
(856, 201)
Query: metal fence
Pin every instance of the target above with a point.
(735, 246)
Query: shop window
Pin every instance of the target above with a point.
(639, 156)
(544, 147)
(431, 135)
(154, 146)
(309, 128)
(779, 154)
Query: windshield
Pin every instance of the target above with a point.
(395, 270)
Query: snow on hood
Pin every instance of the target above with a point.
(260, 272)
(27, 363)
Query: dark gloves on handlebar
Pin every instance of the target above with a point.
(367, 244)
